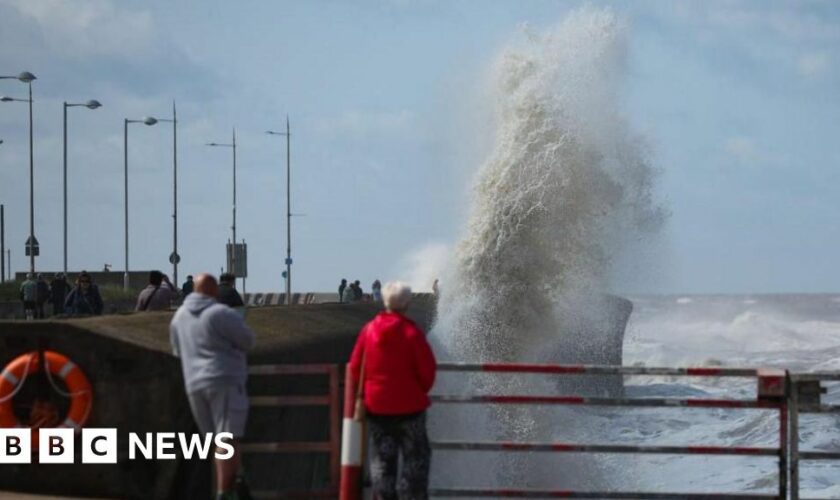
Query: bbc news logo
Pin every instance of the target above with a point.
(99, 446)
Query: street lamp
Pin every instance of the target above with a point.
(92, 104)
(27, 78)
(231, 145)
(149, 121)
(288, 135)
(174, 258)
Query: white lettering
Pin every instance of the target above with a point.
(165, 441)
(223, 442)
(195, 444)
(145, 447)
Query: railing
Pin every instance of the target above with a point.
(770, 395)
(329, 400)
(805, 393)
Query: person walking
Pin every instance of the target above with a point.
(58, 293)
(187, 287)
(84, 299)
(158, 294)
(227, 291)
(397, 368)
(29, 296)
(341, 289)
(376, 291)
(212, 340)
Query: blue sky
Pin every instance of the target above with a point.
(739, 101)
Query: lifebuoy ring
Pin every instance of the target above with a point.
(78, 388)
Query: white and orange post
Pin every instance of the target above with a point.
(352, 444)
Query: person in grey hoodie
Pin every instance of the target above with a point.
(211, 339)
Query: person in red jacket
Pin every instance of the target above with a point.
(399, 370)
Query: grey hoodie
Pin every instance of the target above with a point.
(211, 339)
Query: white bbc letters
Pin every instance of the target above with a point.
(15, 446)
(99, 446)
(55, 446)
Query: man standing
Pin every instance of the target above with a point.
(29, 296)
(211, 339)
(58, 293)
(158, 294)
(341, 288)
(227, 291)
(43, 296)
(187, 287)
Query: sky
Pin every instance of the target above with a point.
(738, 101)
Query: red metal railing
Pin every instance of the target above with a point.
(770, 395)
(331, 446)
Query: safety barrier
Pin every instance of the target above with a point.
(330, 400)
(805, 391)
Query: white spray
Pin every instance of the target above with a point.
(566, 185)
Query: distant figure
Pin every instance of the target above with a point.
(43, 296)
(357, 291)
(158, 294)
(341, 289)
(29, 296)
(58, 293)
(348, 296)
(376, 291)
(84, 299)
(106, 268)
(399, 370)
(227, 291)
(212, 341)
(436, 288)
(187, 287)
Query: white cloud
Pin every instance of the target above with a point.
(92, 27)
(421, 267)
(813, 64)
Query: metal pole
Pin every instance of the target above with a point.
(65, 187)
(31, 188)
(793, 409)
(288, 215)
(125, 167)
(2, 244)
(233, 227)
(175, 194)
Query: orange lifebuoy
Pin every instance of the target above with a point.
(78, 388)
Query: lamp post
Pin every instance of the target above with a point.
(175, 259)
(231, 145)
(288, 135)
(27, 78)
(146, 121)
(92, 104)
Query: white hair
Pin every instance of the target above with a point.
(396, 295)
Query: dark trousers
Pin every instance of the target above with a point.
(392, 436)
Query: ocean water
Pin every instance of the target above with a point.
(795, 332)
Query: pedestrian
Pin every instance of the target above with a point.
(397, 368)
(358, 295)
(376, 291)
(227, 291)
(436, 288)
(43, 296)
(341, 289)
(58, 293)
(158, 294)
(187, 287)
(29, 296)
(84, 299)
(212, 340)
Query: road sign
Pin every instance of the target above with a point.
(288, 261)
(32, 249)
(174, 258)
(238, 263)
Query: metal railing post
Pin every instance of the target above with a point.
(793, 411)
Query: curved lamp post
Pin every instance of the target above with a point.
(27, 78)
(92, 104)
(288, 135)
(149, 121)
(231, 145)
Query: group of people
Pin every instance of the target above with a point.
(391, 361)
(160, 294)
(81, 299)
(347, 294)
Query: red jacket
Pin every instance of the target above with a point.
(399, 365)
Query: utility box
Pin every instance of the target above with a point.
(237, 259)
